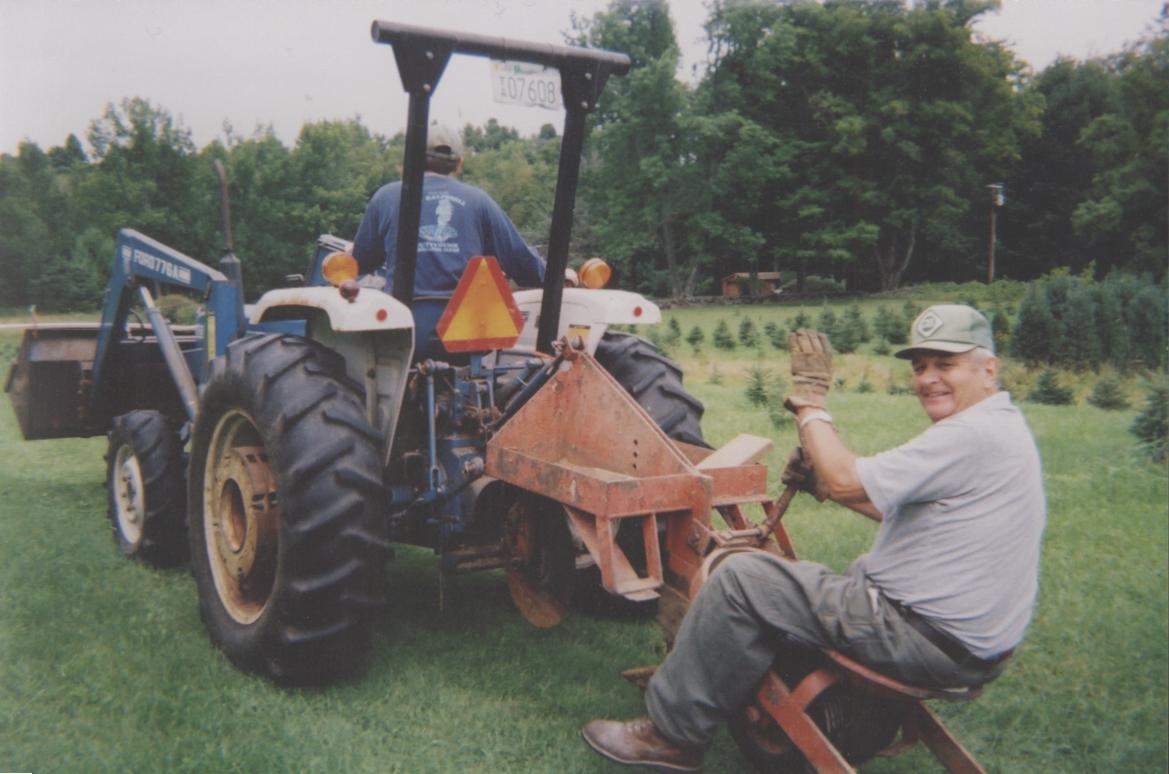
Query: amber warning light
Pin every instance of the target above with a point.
(482, 314)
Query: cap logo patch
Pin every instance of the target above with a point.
(928, 324)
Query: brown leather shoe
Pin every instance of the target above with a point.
(639, 743)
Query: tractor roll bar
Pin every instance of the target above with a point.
(507, 49)
(422, 54)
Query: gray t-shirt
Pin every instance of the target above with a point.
(964, 513)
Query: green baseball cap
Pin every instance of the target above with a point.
(948, 328)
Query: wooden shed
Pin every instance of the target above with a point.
(738, 285)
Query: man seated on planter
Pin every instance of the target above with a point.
(942, 598)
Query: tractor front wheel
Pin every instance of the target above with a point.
(144, 479)
(287, 539)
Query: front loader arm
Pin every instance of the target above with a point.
(139, 261)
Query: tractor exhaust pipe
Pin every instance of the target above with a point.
(228, 263)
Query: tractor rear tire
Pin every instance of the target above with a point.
(146, 503)
(655, 382)
(288, 543)
(859, 725)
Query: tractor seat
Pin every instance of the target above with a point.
(864, 678)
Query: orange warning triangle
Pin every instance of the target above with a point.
(482, 314)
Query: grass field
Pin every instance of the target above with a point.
(104, 665)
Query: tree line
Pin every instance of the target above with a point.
(851, 139)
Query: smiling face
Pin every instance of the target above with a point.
(947, 383)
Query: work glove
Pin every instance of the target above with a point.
(798, 473)
(811, 369)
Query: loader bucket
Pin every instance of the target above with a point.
(48, 383)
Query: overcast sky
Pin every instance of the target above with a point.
(285, 62)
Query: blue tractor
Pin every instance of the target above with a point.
(283, 447)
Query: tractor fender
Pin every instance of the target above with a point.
(370, 310)
(587, 313)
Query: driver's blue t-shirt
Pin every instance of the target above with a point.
(458, 222)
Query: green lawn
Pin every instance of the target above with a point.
(104, 665)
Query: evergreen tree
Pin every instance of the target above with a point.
(910, 311)
(889, 326)
(748, 336)
(1151, 425)
(1048, 390)
(1115, 345)
(827, 323)
(780, 417)
(854, 319)
(1000, 328)
(757, 380)
(1080, 336)
(1108, 395)
(722, 336)
(1148, 318)
(776, 335)
(695, 337)
(1035, 328)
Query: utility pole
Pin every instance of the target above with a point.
(996, 201)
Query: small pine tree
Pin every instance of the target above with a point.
(757, 379)
(695, 337)
(1151, 426)
(854, 318)
(776, 335)
(844, 340)
(1107, 395)
(801, 320)
(882, 347)
(1148, 320)
(674, 331)
(722, 336)
(748, 336)
(1000, 329)
(1115, 343)
(779, 416)
(1048, 390)
(909, 312)
(659, 339)
(716, 376)
(827, 323)
(889, 326)
(1081, 340)
(1035, 328)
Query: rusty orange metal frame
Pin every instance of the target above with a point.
(583, 441)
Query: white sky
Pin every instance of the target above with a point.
(286, 62)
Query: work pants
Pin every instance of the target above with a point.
(756, 603)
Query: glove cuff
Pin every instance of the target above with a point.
(818, 415)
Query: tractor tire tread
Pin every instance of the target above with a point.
(326, 463)
(156, 445)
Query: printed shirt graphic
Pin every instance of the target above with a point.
(458, 221)
(441, 231)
